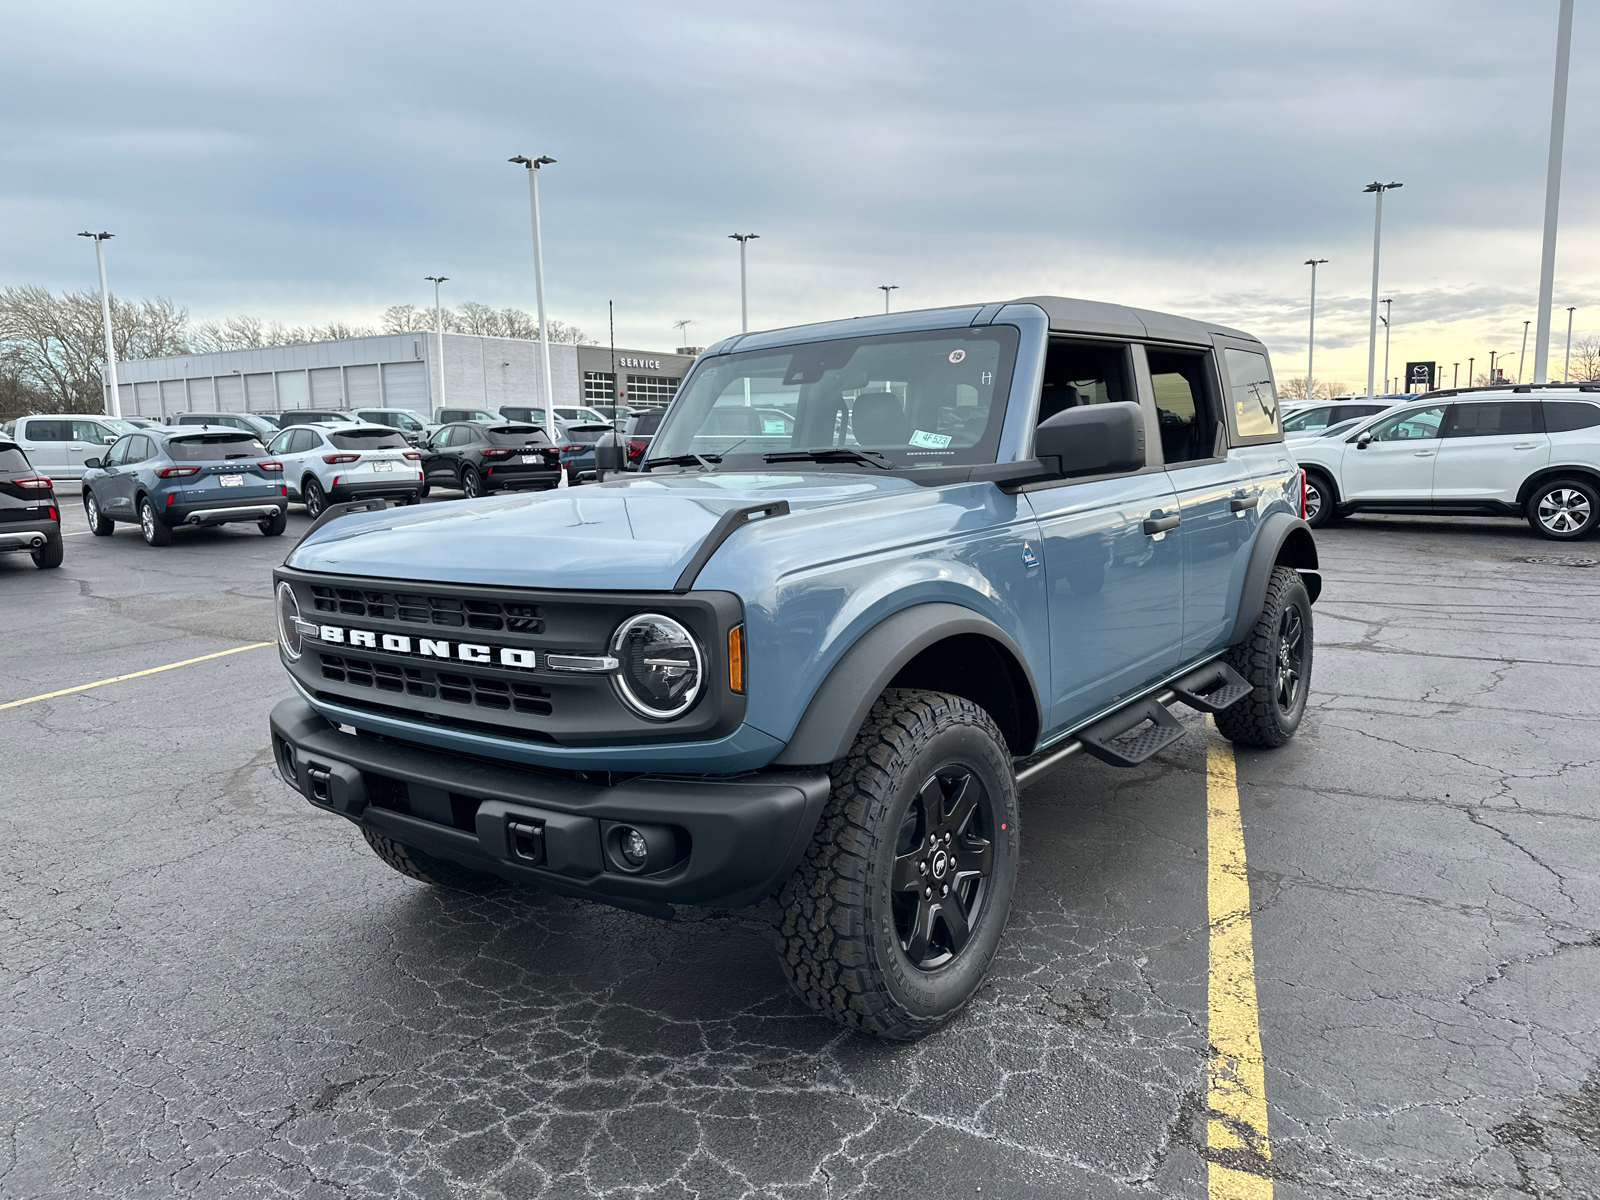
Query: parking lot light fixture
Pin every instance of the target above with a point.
(1311, 334)
(1377, 241)
(1523, 353)
(744, 295)
(438, 325)
(533, 165)
(114, 405)
(1566, 364)
(1470, 361)
(886, 288)
(1552, 193)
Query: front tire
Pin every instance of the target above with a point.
(415, 864)
(890, 921)
(50, 554)
(155, 533)
(99, 524)
(1564, 510)
(274, 525)
(316, 500)
(1275, 659)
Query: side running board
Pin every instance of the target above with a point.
(1138, 730)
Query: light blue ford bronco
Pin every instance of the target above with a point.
(875, 577)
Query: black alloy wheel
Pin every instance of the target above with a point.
(471, 482)
(99, 524)
(315, 498)
(1564, 510)
(889, 923)
(943, 864)
(1275, 659)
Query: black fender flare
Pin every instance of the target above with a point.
(840, 705)
(1281, 540)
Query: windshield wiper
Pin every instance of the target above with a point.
(703, 461)
(829, 453)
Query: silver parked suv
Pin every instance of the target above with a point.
(1498, 452)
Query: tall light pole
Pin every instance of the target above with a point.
(1388, 311)
(1566, 365)
(1377, 240)
(114, 406)
(438, 325)
(1455, 376)
(1470, 377)
(1552, 193)
(886, 288)
(1311, 334)
(1523, 353)
(533, 165)
(744, 295)
(1492, 353)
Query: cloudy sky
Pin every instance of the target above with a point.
(310, 162)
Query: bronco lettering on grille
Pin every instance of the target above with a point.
(394, 643)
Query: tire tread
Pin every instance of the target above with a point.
(1253, 721)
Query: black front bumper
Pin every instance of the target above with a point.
(724, 842)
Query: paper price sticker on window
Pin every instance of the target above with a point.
(957, 355)
(930, 441)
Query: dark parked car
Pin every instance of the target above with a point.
(29, 518)
(638, 432)
(263, 427)
(164, 478)
(480, 458)
(577, 449)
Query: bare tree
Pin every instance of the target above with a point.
(1586, 358)
(406, 318)
(235, 333)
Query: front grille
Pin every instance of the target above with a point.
(508, 696)
(447, 611)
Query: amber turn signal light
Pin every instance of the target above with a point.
(736, 659)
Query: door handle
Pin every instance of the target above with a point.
(1423, 454)
(1243, 503)
(1158, 524)
(1524, 445)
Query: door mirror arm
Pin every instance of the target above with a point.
(1363, 440)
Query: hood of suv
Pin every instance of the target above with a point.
(627, 534)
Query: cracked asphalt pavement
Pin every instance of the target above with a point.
(212, 989)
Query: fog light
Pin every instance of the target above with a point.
(635, 850)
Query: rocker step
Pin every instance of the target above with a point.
(1211, 688)
(1127, 737)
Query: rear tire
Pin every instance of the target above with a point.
(415, 864)
(50, 554)
(99, 524)
(1564, 510)
(155, 533)
(471, 483)
(274, 525)
(1321, 500)
(422, 492)
(890, 921)
(316, 500)
(1275, 659)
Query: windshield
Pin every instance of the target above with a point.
(120, 426)
(404, 420)
(368, 439)
(215, 447)
(927, 399)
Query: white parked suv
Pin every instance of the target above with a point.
(330, 463)
(1496, 452)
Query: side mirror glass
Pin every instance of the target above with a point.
(1093, 439)
(93, 464)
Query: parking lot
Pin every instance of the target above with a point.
(214, 990)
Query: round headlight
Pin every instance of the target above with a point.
(288, 621)
(660, 670)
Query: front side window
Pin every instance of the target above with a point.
(94, 433)
(1415, 425)
(118, 454)
(1079, 374)
(1185, 407)
(280, 444)
(368, 439)
(925, 399)
(1252, 398)
(1491, 420)
(215, 447)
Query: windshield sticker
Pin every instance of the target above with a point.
(931, 441)
(957, 355)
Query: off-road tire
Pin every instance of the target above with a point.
(414, 863)
(1559, 524)
(313, 497)
(471, 483)
(836, 934)
(274, 525)
(150, 526)
(99, 524)
(50, 554)
(1327, 511)
(1261, 719)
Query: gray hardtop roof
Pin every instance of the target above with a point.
(1070, 315)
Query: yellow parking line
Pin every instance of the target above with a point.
(1236, 1130)
(83, 687)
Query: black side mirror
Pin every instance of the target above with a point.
(1363, 440)
(1093, 439)
(93, 463)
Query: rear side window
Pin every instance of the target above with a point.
(1563, 416)
(1311, 418)
(215, 447)
(1252, 399)
(1491, 420)
(191, 419)
(1181, 380)
(50, 431)
(368, 439)
(516, 435)
(13, 459)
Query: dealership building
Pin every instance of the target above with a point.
(400, 370)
